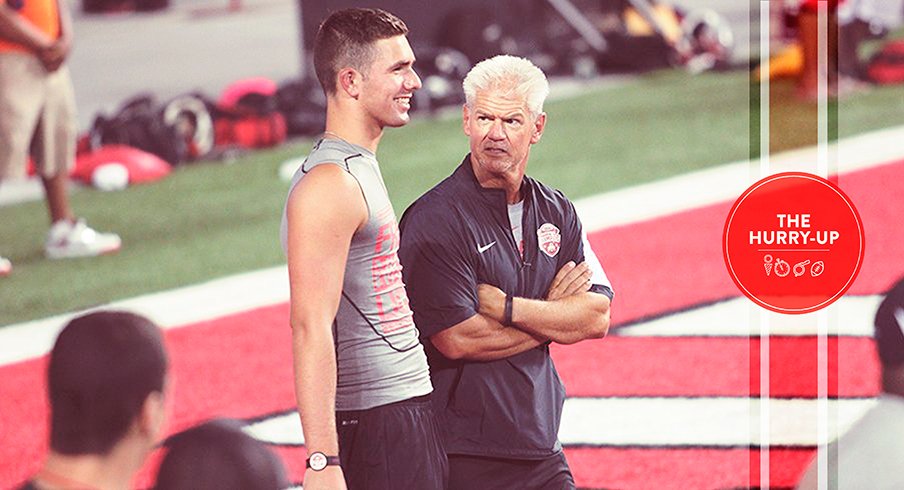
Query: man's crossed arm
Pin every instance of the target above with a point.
(568, 314)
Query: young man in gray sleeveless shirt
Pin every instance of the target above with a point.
(355, 344)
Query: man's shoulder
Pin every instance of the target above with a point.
(442, 194)
(546, 195)
(331, 151)
(325, 162)
(437, 205)
(331, 178)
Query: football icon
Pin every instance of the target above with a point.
(817, 268)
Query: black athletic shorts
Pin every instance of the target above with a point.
(395, 446)
(478, 472)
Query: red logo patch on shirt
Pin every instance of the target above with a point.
(549, 238)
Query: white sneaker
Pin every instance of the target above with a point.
(5, 266)
(67, 240)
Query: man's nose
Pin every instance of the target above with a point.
(497, 132)
(412, 82)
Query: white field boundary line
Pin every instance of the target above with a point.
(242, 292)
(727, 182)
(660, 422)
(854, 318)
(170, 309)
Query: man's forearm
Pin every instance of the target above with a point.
(315, 387)
(566, 320)
(481, 338)
(501, 341)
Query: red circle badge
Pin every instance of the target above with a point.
(793, 242)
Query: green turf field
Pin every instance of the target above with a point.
(210, 220)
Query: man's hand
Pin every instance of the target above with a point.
(492, 302)
(568, 314)
(54, 55)
(571, 279)
(330, 478)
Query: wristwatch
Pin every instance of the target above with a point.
(317, 461)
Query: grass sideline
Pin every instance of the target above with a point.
(210, 220)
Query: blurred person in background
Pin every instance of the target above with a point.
(106, 380)
(498, 267)
(870, 453)
(217, 455)
(860, 21)
(361, 376)
(37, 117)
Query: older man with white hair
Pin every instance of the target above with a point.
(498, 267)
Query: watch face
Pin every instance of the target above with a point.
(317, 461)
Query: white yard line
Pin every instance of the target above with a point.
(727, 182)
(725, 319)
(644, 421)
(170, 309)
(250, 290)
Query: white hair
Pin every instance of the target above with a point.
(510, 74)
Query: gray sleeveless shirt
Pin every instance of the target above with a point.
(378, 355)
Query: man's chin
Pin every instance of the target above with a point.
(399, 121)
(495, 164)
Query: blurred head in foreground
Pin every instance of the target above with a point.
(218, 455)
(106, 380)
(890, 339)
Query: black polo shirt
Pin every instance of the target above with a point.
(510, 407)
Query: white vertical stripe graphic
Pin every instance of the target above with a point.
(763, 406)
(822, 169)
(822, 127)
(822, 391)
(764, 88)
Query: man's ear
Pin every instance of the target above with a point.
(539, 126)
(152, 416)
(465, 116)
(350, 82)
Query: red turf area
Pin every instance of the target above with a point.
(240, 365)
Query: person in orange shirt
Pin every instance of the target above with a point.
(37, 117)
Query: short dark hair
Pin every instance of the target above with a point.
(346, 39)
(102, 368)
(217, 455)
(889, 325)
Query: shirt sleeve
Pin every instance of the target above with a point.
(583, 252)
(599, 282)
(439, 276)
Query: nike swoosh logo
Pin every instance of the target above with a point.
(486, 247)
